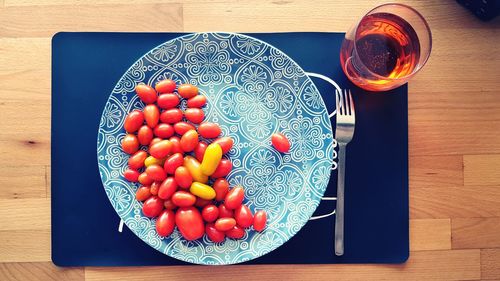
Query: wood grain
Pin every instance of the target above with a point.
(436, 171)
(31, 245)
(490, 264)
(39, 271)
(472, 233)
(482, 169)
(430, 234)
(32, 214)
(26, 181)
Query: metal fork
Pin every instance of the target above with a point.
(343, 133)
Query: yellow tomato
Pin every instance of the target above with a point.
(202, 190)
(194, 169)
(150, 160)
(211, 159)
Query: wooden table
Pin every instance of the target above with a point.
(454, 115)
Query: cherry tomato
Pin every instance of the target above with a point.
(150, 160)
(144, 179)
(165, 86)
(236, 232)
(210, 213)
(165, 223)
(173, 162)
(136, 161)
(167, 188)
(145, 135)
(151, 115)
(164, 131)
(199, 150)
(213, 234)
(259, 220)
(169, 205)
(183, 199)
(209, 130)
(197, 101)
(189, 140)
(190, 223)
(280, 142)
(193, 167)
(243, 216)
(133, 121)
(225, 212)
(202, 190)
(223, 169)
(200, 202)
(225, 224)
(182, 127)
(183, 177)
(131, 175)
(194, 115)
(130, 144)
(211, 159)
(154, 188)
(167, 101)
(146, 93)
(152, 207)
(153, 141)
(221, 187)
(161, 149)
(234, 197)
(171, 116)
(187, 91)
(176, 144)
(156, 172)
(142, 193)
(226, 143)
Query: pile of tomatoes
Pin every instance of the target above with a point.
(182, 179)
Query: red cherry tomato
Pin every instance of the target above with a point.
(280, 142)
(165, 86)
(156, 172)
(167, 101)
(144, 179)
(221, 187)
(164, 131)
(173, 162)
(152, 207)
(225, 224)
(131, 175)
(154, 188)
(190, 223)
(136, 161)
(183, 177)
(226, 143)
(133, 121)
(210, 213)
(145, 135)
(183, 199)
(200, 202)
(176, 144)
(199, 150)
(151, 115)
(243, 216)
(225, 212)
(165, 223)
(209, 130)
(169, 205)
(160, 149)
(197, 101)
(142, 193)
(153, 141)
(259, 220)
(167, 188)
(223, 169)
(187, 91)
(194, 115)
(130, 144)
(189, 140)
(171, 116)
(213, 234)
(236, 232)
(146, 93)
(182, 127)
(234, 198)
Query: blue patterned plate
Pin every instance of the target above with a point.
(253, 90)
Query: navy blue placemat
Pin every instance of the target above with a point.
(85, 68)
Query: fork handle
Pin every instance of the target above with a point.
(339, 210)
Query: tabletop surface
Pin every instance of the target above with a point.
(454, 133)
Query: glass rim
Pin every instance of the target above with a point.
(427, 27)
